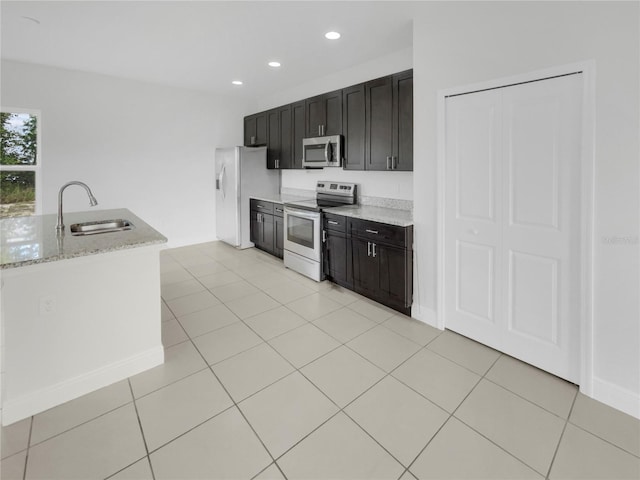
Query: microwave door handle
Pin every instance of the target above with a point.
(327, 152)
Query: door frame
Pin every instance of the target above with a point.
(587, 166)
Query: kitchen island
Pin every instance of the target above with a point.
(78, 312)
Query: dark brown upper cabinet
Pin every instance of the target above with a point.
(389, 122)
(255, 129)
(324, 114)
(403, 121)
(298, 128)
(375, 118)
(279, 142)
(353, 126)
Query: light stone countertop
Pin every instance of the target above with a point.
(282, 198)
(33, 240)
(391, 216)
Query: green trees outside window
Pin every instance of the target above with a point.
(18, 163)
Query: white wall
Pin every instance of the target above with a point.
(379, 184)
(459, 43)
(140, 146)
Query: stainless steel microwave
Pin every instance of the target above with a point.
(318, 152)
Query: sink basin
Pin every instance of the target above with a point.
(101, 226)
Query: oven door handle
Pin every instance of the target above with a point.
(302, 213)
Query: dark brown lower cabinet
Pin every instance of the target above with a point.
(266, 229)
(371, 258)
(278, 231)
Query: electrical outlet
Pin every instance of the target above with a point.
(47, 305)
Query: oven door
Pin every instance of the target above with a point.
(302, 233)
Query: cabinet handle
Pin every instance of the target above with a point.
(253, 140)
(331, 222)
(324, 236)
(375, 232)
(278, 163)
(374, 250)
(388, 163)
(259, 206)
(319, 130)
(394, 163)
(279, 210)
(368, 249)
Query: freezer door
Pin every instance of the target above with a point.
(227, 199)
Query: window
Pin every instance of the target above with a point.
(20, 192)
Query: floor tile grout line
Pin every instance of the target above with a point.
(26, 457)
(482, 434)
(564, 429)
(81, 423)
(340, 409)
(593, 434)
(235, 404)
(452, 414)
(144, 438)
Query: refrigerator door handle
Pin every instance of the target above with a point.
(219, 181)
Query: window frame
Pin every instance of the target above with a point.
(37, 168)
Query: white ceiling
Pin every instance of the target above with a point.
(204, 45)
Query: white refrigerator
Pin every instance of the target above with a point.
(241, 172)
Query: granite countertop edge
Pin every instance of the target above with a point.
(142, 235)
(390, 216)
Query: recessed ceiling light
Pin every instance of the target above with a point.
(332, 35)
(237, 82)
(274, 64)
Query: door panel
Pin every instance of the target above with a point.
(475, 281)
(472, 218)
(475, 158)
(379, 98)
(512, 188)
(533, 297)
(532, 129)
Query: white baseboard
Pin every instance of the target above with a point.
(52, 396)
(616, 397)
(425, 315)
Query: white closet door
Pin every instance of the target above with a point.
(473, 218)
(512, 220)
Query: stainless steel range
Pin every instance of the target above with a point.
(303, 226)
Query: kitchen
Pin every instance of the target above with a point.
(149, 147)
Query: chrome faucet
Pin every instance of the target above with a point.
(92, 201)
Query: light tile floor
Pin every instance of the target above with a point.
(269, 375)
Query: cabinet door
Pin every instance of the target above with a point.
(255, 229)
(314, 111)
(403, 121)
(395, 275)
(285, 159)
(353, 118)
(261, 128)
(297, 132)
(268, 243)
(335, 254)
(250, 131)
(324, 114)
(365, 269)
(273, 138)
(332, 113)
(379, 124)
(278, 236)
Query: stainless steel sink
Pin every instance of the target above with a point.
(101, 226)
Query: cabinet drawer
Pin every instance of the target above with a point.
(381, 232)
(278, 209)
(337, 223)
(261, 206)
